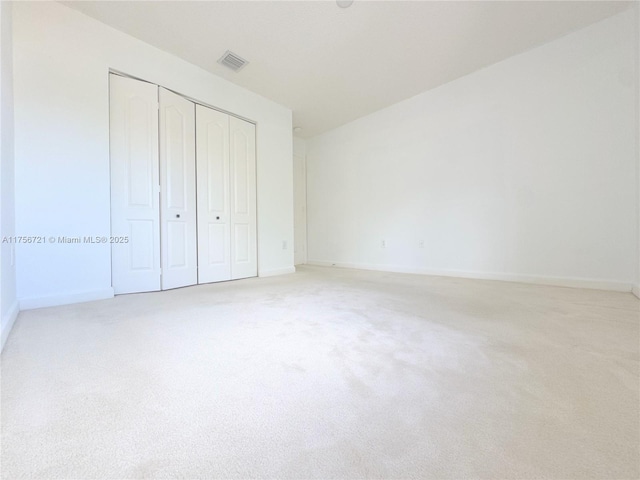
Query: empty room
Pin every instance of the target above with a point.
(324, 239)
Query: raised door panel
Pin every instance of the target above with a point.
(133, 141)
(242, 157)
(178, 191)
(214, 246)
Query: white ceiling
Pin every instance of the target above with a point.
(333, 65)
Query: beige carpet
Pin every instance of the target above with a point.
(327, 373)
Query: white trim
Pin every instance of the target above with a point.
(65, 298)
(277, 271)
(636, 290)
(7, 322)
(191, 99)
(506, 277)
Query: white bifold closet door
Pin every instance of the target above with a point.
(214, 213)
(226, 164)
(153, 187)
(242, 190)
(178, 234)
(177, 191)
(135, 212)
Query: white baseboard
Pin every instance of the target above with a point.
(8, 320)
(636, 290)
(65, 299)
(505, 277)
(277, 271)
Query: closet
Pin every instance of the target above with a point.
(183, 190)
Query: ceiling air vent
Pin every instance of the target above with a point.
(233, 61)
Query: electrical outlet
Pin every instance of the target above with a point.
(421, 244)
(383, 244)
(284, 244)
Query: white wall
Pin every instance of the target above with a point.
(8, 299)
(62, 61)
(299, 201)
(525, 170)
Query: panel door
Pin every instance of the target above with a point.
(177, 191)
(133, 140)
(242, 156)
(214, 213)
